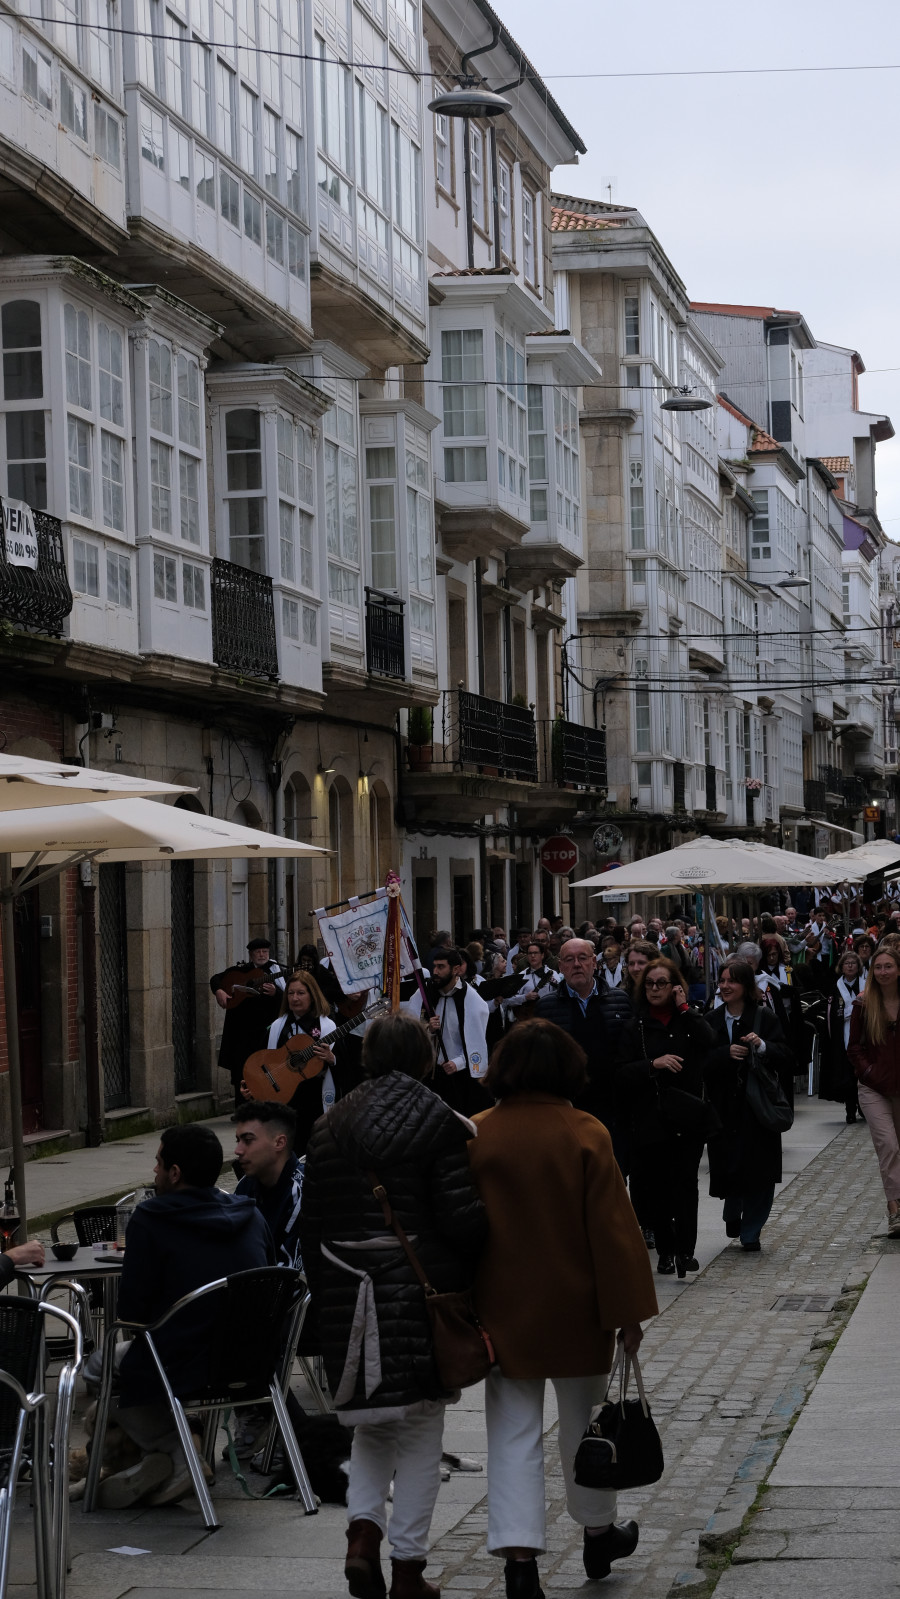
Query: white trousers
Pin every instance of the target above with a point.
(514, 1409)
(410, 1452)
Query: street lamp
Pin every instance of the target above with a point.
(473, 99)
(686, 399)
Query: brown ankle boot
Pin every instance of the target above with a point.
(407, 1581)
(362, 1567)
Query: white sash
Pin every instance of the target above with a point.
(847, 998)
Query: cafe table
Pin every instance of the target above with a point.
(86, 1265)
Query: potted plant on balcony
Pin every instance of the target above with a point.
(419, 736)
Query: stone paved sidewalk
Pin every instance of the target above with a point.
(725, 1373)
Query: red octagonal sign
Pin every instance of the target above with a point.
(559, 855)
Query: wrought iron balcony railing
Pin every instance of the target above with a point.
(243, 621)
(39, 599)
(578, 755)
(471, 730)
(814, 793)
(384, 634)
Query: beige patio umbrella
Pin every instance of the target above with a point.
(46, 841)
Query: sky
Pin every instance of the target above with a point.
(763, 190)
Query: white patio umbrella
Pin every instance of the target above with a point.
(876, 856)
(45, 841)
(25, 781)
(705, 864)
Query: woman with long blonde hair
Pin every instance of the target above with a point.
(874, 1051)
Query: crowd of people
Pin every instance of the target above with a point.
(530, 1127)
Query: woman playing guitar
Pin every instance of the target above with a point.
(305, 1010)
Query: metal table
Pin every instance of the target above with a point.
(83, 1267)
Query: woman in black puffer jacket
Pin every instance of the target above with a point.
(371, 1322)
(663, 1049)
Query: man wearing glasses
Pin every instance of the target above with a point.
(594, 1017)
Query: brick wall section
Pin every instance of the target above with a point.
(22, 718)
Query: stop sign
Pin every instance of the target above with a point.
(558, 855)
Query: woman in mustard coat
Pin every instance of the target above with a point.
(564, 1267)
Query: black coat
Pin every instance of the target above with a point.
(397, 1128)
(599, 1031)
(745, 1157)
(346, 1074)
(643, 1040)
(245, 1028)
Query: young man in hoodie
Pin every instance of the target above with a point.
(189, 1234)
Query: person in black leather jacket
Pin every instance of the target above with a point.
(371, 1322)
(594, 1016)
(665, 1046)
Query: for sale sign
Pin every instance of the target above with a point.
(19, 538)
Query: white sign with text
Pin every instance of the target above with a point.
(19, 537)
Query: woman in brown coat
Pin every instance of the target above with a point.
(565, 1265)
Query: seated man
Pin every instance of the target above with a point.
(189, 1234)
(271, 1174)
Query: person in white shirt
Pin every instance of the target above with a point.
(612, 966)
(458, 1028)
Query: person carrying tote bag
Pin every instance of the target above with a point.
(662, 1095)
(745, 1158)
(564, 1267)
(874, 1052)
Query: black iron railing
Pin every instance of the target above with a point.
(711, 800)
(833, 778)
(384, 634)
(814, 792)
(678, 785)
(490, 733)
(243, 621)
(39, 599)
(578, 755)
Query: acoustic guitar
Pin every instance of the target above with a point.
(276, 1074)
(245, 982)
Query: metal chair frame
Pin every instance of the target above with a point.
(210, 1409)
(49, 1466)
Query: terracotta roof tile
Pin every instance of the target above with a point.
(835, 463)
(763, 442)
(474, 272)
(755, 311)
(727, 405)
(562, 221)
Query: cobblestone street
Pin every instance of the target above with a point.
(726, 1369)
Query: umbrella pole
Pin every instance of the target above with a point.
(8, 924)
(707, 945)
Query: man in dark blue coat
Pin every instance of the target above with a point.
(594, 1015)
(189, 1234)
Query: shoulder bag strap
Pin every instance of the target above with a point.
(380, 1192)
(631, 1361)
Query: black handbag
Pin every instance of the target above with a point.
(765, 1096)
(621, 1447)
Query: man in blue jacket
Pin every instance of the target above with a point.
(189, 1234)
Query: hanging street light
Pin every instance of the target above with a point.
(686, 399)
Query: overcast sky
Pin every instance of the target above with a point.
(778, 190)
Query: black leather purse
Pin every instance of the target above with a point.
(621, 1447)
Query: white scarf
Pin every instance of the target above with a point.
(612, 979)
(847, 998)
